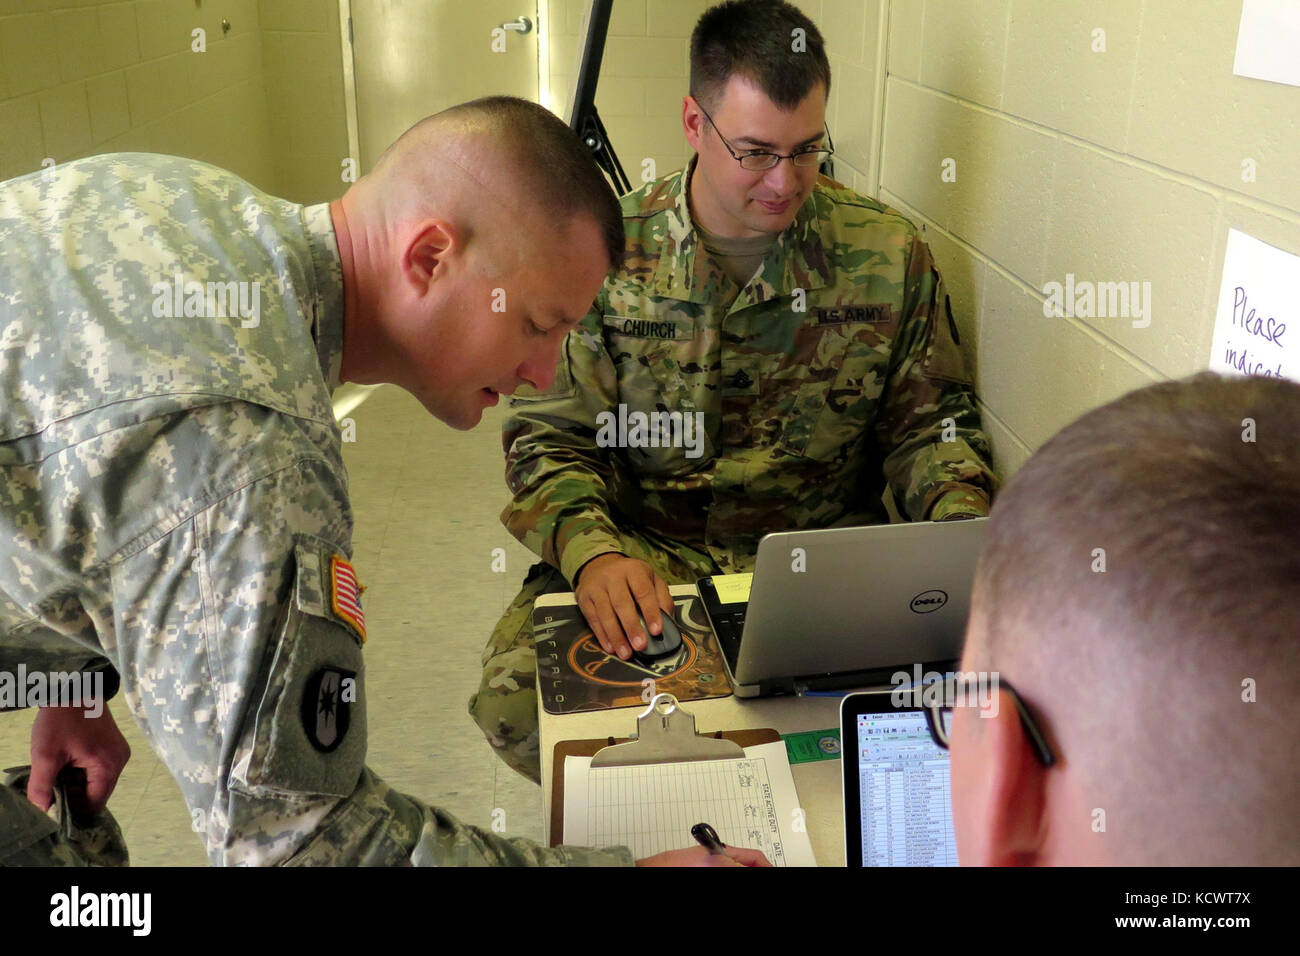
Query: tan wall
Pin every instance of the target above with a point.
(79, 78)
(264, 101)
(303, 66)
(642, 80)
(1117, 166)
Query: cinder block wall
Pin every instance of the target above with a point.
(80, 77)
(302, 62)
(642, 80)
(1122, 165)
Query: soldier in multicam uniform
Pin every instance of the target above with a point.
(806, 323)
(172, 491)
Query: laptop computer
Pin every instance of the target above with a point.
(845, 607)
(897, 788)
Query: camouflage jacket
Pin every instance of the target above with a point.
(173, 499)
(833, 372)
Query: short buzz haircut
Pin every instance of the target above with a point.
(1138, 581)
(757, 40)
(555, 168)
(1187, 490)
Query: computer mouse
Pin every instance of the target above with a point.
(668, 642)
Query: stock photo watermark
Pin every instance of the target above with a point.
(189, 298)
(1085, 299)
(659, 429)
(978, 689)
(22, 688)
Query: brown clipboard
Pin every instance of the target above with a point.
(589, 748)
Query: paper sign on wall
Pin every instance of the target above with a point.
(1257, 325)
(1267, 41)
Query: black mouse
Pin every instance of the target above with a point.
(668, 642)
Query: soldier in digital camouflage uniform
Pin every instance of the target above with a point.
(173, 498)
(823, 356)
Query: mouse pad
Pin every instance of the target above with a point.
(575, 675)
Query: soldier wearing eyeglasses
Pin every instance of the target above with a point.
(807, 323)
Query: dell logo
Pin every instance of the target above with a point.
(928, 601)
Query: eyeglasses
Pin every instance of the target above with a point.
(759, 160)
(939, 718)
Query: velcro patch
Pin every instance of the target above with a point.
(841, 314)
(345, 595)
(327, 707)
(651, 327)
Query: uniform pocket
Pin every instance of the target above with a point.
(661, 429)
(844, 369)
(307, 734)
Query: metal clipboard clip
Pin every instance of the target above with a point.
(666, 734)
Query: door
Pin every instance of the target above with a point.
(416, 57)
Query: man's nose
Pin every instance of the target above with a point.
(783, 177)
(539, 370)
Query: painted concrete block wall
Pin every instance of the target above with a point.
(643, 78)
(1122, 164)
(302, 61)
(80, 78)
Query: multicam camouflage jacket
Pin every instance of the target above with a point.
(173, 501)
(835, 372)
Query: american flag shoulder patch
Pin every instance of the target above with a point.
(345, 595)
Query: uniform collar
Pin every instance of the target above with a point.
(797, 260)
(326, 305)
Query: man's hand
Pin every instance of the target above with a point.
(699, 856)
(610, 590)
(65, 736)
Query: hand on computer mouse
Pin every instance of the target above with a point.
(623, 600)
(664, 644)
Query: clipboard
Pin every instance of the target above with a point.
(665, 734)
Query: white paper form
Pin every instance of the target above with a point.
(750, 802)
(1267, 40)
(1257, 325)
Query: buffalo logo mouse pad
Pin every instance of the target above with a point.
(575, 675)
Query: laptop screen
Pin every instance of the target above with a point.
(904, 796)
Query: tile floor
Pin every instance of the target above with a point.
(426, 500)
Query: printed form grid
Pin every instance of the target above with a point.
(651, 808)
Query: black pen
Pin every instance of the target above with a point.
(707, 837)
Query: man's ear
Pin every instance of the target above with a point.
(424, 258)
(998, 787)
(692, 122)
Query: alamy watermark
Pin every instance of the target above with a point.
(23, 688)
(133, 911)
(211, 300)
(658, 429)
(978, 689)
(1099, 300)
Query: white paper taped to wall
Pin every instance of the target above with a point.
(1267, 41)
(1257, 325)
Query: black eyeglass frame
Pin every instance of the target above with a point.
(933, 719)
(828, 149)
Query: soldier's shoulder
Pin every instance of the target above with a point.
(839, 205)
(650, 219)
(653, 198)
